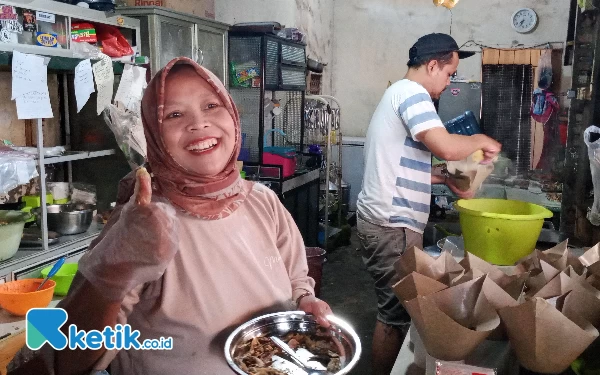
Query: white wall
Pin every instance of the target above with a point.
(372, 39)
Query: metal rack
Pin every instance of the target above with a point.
(62, 62)
(330, 126)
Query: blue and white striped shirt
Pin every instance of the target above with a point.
(396, 189)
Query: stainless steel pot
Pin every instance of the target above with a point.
(67, 219)
(279, 324)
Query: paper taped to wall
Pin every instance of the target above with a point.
(84, 83)
(105, 78)
(30, 86)
(131, 87)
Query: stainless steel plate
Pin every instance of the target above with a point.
(279, 324)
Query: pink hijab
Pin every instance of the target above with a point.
(207, 197)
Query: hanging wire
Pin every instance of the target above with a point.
(472, 43)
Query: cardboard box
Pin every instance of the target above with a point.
(201, 8)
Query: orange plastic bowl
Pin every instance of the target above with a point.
(17, 297)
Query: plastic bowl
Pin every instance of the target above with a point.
(17, 297)
(11, 231)
(501, 231)
(63, 278)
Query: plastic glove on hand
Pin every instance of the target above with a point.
(137, 248)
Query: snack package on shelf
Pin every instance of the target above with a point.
(113, 42)
(83, 32)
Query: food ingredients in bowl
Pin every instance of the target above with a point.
(255, 356)
(17, 297)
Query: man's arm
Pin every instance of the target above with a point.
(452, 147)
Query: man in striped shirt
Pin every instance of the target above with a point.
(393, 206)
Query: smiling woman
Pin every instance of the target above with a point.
(197, 128)
(193, 250)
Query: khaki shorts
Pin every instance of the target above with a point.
(381, 247)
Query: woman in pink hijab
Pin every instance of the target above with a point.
(193, 250)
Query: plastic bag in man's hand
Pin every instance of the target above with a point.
(137, 248)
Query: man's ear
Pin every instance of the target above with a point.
(431, 66)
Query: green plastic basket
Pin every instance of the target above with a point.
(501, 231)
(63, 278)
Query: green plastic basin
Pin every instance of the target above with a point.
(63, 278)
(501, 231)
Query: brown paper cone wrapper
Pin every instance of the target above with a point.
(413, 260)
(580, 302)
(454, 321)
(561, 258)
(594, 280)
(544, 339)
(467, 276)
(415, 285)
(591, 256)
(473, 262)
(444, 269)
(594, 269)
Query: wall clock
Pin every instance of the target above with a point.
(524, 20)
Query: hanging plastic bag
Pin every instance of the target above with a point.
(113, 42)
(592, 140)
(543, 105)
(545, 70)
(16, 168)
(129, 132)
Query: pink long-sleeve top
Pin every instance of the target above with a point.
(226, 272)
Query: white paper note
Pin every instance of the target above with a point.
(28, 73)
(105, 78)
(30, 86)
(84, 83)
(131, 87)
(34, 104)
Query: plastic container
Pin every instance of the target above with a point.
(11, 232)
(17, 297)
(315, 257)
(500, 231)
(63, 278)
(284, 156)
(465, 124)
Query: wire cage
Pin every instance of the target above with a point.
(267, 82)
(507, 92)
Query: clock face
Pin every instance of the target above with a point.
(524, 20)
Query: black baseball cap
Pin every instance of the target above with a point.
(435, 44)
